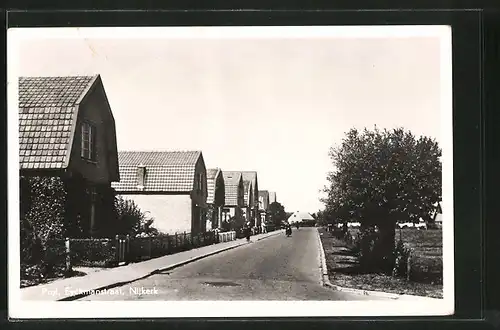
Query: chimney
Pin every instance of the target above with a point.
(141, 176)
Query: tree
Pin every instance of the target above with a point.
(131, 220)
(277, 214)
(381, 177)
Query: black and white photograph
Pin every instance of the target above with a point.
(230, 171)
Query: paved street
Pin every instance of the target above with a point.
(276, 268)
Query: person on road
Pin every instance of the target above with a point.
(246, 229)
(297, 225)
(288, 229)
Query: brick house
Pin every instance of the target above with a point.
(251, 203)
(170, 186)
(234, 195)
(67, 130)
(215, 196)
(263, 205)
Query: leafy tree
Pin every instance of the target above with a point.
(381, 177)
(131, 220)
(277, 214)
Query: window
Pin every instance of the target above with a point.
(88, 141)
(200, 182)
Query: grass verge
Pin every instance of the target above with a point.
(344, 271)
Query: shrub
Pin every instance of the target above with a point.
(370, 250)
(43, 206)
(401, 254)
(131, 220)
(93, 252)
(42, 226)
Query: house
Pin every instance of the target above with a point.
(438, 215)
(67, 130)
(263, 205)
(251, 207)
(272, 197)
(303, 218)
(215, 197)
(234, 195)
(170, 185)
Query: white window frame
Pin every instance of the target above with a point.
(88, 133)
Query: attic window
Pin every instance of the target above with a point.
(141, 176)
(88, 142)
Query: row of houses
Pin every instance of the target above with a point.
(67, 130)
(181, 194)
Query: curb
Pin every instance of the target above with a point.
(325, 281)
(156, 271)
(271, 234)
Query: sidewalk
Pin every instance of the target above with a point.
(74, 287)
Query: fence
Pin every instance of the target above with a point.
(418, 259)
(124, 249)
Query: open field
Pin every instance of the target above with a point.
(427, 253)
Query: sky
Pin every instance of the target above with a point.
(274, 105)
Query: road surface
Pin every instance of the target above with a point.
(276, 268)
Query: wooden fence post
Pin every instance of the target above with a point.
(68, 255)
(127, 249)
(118, 252)
(408, 266)
(150, 243)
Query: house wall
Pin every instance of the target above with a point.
(255, 206)
(199, 196)
(219, 190)
(171, 213)
(241, 194)
(95, 109)
(233, 211)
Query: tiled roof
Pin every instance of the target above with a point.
(163, 158)
(299, 216)
(212, 175)
(231, 182)
(42, 92)
(47, 107)
(249, 179)
(165, 171)
(263, 199)
(250, 176)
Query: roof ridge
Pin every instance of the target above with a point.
(159, 151)
(58, 77)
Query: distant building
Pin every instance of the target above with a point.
(263, 205)
(438, 215)
(303, 218)
(234, 195)
(67, 130)
(251, 209)
(272, 197)
(170, 185)
(215, 196)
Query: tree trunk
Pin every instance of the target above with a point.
(385, 247)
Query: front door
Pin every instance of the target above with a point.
(195, 219)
